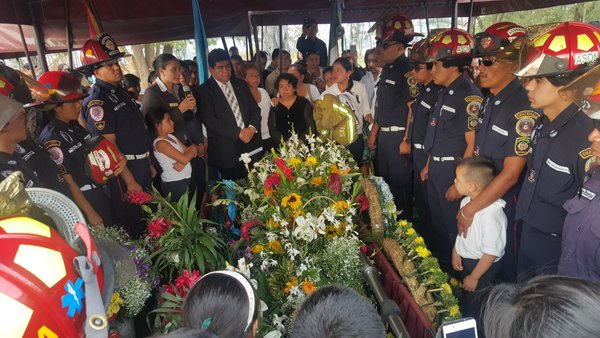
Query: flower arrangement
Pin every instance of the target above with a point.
(299, 211)
(181, 240)
(429, 285)
(133, 274)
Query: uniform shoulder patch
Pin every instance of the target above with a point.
(527, 113)
(413, 88)
(525, 122)
(56, 154)
(96, 110)
(522, 145)
(585, 153)
(473, 104)
(51, 143)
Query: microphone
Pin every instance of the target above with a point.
(188, 91)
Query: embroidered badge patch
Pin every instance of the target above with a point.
(525, 122)
(99, 125)
(413, 89)
(522, 146)
(473, 104)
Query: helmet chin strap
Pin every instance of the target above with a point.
(96, 324)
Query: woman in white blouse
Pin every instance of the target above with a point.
(306, 90)
(252, 77)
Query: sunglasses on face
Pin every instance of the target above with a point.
(596, 124)
(487, 63)
(418, 68)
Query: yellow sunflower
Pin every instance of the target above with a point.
(292, 200)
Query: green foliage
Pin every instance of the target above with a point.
(188, 243)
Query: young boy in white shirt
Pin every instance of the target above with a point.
(478, 254)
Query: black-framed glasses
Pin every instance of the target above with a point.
(488, 63)
(418, 68)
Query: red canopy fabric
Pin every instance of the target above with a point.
(144, 21)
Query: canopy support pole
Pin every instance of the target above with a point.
(23, 39)
(425, 7)
(69, 34)
(470, 17)
(249, 47)
(39, 40)
(454, 13)
(280, 39)
(255, 31)
(224, 44)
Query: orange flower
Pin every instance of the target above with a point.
(308, 287)
(273, 224)
(317, 180)
(336, 170)
(289, 285)
(276, 246)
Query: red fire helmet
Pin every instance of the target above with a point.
(418, 52)
(496, 37)
(560, 50)
(450, 44)
(40, 289)
(55, 88)
(102, 158)
(397, 28)
(98, 51)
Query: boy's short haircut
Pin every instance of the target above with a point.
(480, 170)
(335, 311)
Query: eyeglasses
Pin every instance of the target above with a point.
(221, 68)
(596, 124)
(488, 63)
(418, 68)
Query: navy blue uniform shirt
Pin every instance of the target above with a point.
(559, 158)
(64, 143)
(110, 110)
(421, 109)
(393, 92)
(581, 233)
(455, 114)
(505, 124)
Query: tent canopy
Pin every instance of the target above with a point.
(145, 21)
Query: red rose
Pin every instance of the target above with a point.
(364, 249)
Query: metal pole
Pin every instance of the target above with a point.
(39, 40)
(280, 46)
(425, 6)
(255, 31)
(224, 44)
(454, 13)
(390, 311)
(23, 39)
(469, 22)
(69, 34)
(249, 48)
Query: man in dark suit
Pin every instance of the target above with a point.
(231, 117)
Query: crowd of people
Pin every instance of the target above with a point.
(504, 185)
